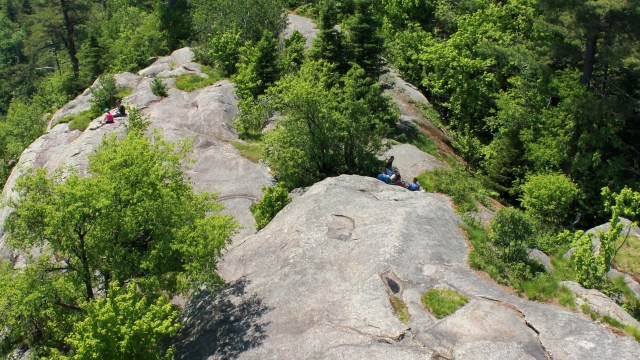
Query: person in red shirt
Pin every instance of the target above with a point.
(108, 117)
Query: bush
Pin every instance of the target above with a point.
(511, 231)
(549, 198)
(104, 94)
(274, 198)
(225, 50)
(158, 88)
(464, 188)
(443, 302)
(135, 121)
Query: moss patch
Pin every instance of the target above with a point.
(400, 308)
(443, 302)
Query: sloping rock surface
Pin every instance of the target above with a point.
(315, 284)
(205, 115)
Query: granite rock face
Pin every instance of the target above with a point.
(204, 115)
(316, 283)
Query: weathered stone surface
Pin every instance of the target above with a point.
(318, 277)
(178, 63)
(542, 258)
(303, 25)
(599, 303)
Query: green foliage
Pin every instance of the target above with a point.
(591, 268)
(158, 88)
(124, 325)
(135, 121)
(294, 52)
(258, 68)
(274, 198)
(511, 231)
(190, 82)
(325, 130)
(464, 189)
(550, 198)
(135, 217)
(135, 38)
(251, 151)
(250, 17)
(79, 121)
(104, 94)
(363, 40)
(443, 302)
(224, 50)
(627, 258)
(400, 308)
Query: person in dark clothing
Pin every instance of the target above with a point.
(389, 166)
(120, 110)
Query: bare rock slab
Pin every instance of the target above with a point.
(321, 272)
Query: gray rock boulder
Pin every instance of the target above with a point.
(302, 24)
(540, 257)
(599, 303)
(316, 283)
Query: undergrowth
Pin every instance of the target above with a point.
(252, 151)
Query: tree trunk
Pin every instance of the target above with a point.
(589, 58)
(85, 268)
(71, 44)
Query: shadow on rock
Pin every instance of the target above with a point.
(221, 326)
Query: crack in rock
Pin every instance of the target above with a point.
(526, 322)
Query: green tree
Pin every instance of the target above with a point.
(134, 217)
(592, 267)
(511, 231)
(258, 68)
(550, 198)
(329, 43)
(225, 50)
(124, 325)
(325, 130)
(362, 38)
(250, 17)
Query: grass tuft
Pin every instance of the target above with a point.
(253, 152)
(190, 82)
(628, 258)
(443, 302)
(124, 92)
(79, 121)
(400, 308)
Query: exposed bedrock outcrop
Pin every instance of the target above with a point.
(320, 275)
(205, 115)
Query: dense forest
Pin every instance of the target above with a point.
(540, 97)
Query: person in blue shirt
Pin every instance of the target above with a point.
(414, 186)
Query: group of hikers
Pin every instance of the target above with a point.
(109, 117)
(391, 176)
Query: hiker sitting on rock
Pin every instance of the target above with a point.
(389, 166)
(396, 179)
(414, 186)
(120, 112)
(383, 176)
(108, 117)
